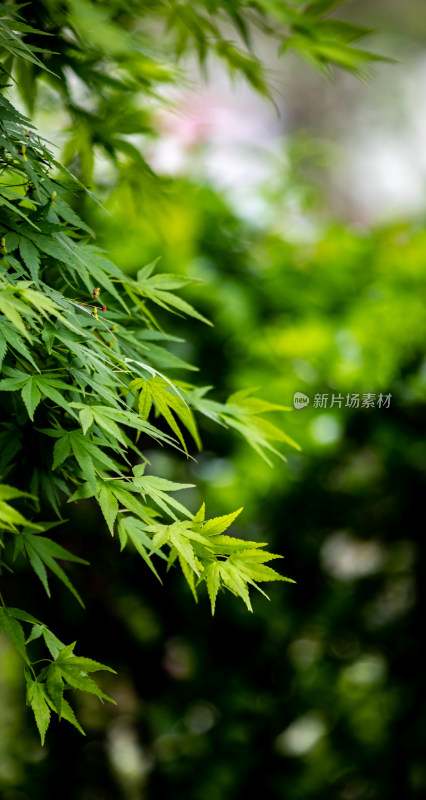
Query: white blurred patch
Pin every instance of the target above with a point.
(200, 717)
(304, 652)
(129, 760)
(301, 735)
(367, 670)
(396, 598)
(346, 558)
(325, 429)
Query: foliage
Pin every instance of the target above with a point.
(310, 697)
(301, 703)
(80, 363)
(110, 64)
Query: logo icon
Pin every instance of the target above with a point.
(300, 400)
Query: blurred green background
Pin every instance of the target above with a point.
(313, 287)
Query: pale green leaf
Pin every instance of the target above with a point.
(109, 506)
(36, 698)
